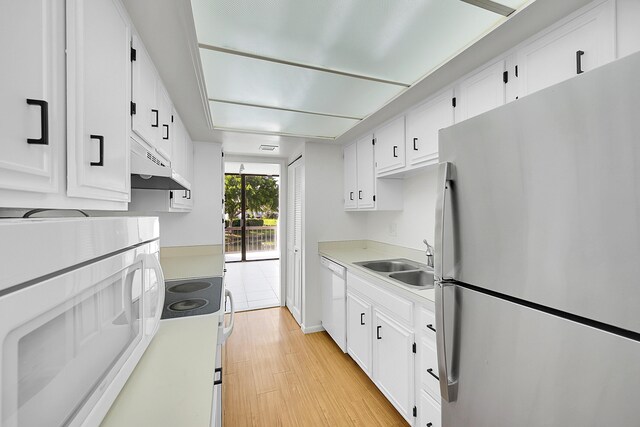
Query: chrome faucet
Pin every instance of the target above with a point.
(429, 253)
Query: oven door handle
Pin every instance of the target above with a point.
(151, 262)
(226, 332)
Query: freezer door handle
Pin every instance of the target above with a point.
(448, 385)
(444, 180)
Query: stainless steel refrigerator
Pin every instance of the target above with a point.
(538, 258)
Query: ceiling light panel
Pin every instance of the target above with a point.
(246, 80)
(389, 39)
(239, 117)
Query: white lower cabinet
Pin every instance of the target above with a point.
(393, 362)
(428, 412)
(359, 331)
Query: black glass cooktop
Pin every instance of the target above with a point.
(192, 297)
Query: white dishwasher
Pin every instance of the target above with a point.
(334, 308)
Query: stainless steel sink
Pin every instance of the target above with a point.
(414, 278)
(389, 266)
(403, 271)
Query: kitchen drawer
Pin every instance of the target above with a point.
(428, 324)
(401, 308)
(429, 412)
(429, 367)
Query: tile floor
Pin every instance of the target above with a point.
(254, 284)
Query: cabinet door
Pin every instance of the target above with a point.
(389, 148)
(350, 177)
(429, 411)
(165, 112)
(98, 102)
(481, 92)
(366, 174)
(582, 44)
(423, 125)
(32, 48)
(393, 362)
(359, 331)
(428, 367)
(146, 121)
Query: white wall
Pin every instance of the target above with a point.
(417, 219)
(324, 219)
(203, 225)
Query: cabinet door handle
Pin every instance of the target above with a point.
(44, 122)
(100, 139)
(167, 128)
(429, 424)
(430, 326)
(378, 332)
(430, 371)
(359, 194)
(395, 148)
(415, 142)
(219, 380)
(155, 125)
(362, 319)
(189, 194)
(351, 195)
(579, 69)
(184, 194)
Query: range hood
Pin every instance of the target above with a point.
(150, 171)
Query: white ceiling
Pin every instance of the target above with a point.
(252, 168)
(317, 68)
(167, 29)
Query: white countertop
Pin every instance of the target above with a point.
(172, 385)
(348, 252)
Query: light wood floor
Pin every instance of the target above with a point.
(274, 375)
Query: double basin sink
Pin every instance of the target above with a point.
(401, 270)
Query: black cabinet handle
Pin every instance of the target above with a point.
(44, 122)
(217, 381)
(429, 424)
(579, 69)
(100, 139)
(362, 319)
(184, 194)
(155, 125)
(430, 371)
(395, 148)
(351, 195)
(167, 128)
(189, 197)
(378, 332)
(415, 141)
(359, 194)
(430, 326)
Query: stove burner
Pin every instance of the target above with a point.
(188, 287)
(188, 304)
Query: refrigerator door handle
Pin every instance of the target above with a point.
(448, 386)
(444, 177)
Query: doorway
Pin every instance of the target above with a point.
(252, 248)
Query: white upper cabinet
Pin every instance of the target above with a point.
(481, 92)
(99, 94)
(582, 44)
(31, 94)
(423, 125)
(389, 148)
(366, 174)
(351, 176)
(145, 123)
(165, 113)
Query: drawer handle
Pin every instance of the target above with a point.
(217, 381)
(430, 326)
(362, 319)
(100, 139)
(44, 122)
(430, 371)
(378, 332)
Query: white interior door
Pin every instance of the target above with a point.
(294, 240)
